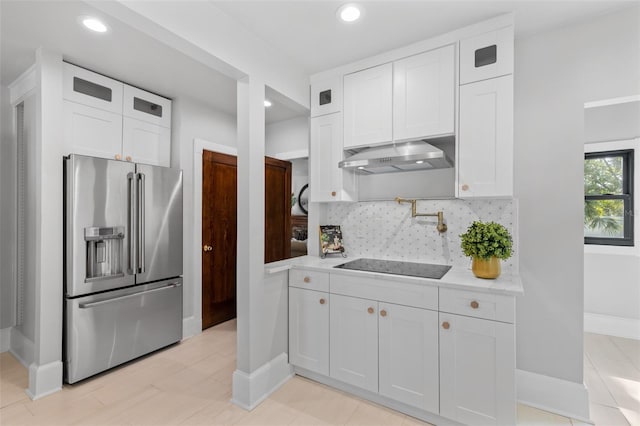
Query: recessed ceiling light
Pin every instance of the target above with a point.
(419, 162)
(349, 12)
(267, 103)
(94, 24)
(360, 168)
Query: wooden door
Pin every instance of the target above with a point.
(219, 205)
(277, 210)
(219, 229)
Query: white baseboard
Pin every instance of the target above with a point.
(555, 395)
(44, 379)
(21, 347)
(612, 326)
(5, 339)
(249, 390)
(191, 326)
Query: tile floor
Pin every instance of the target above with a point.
(190, 384)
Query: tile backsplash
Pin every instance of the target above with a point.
(386, 230)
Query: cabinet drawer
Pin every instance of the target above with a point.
(486, 55)
(312, 280)
(496, 307)
(386, 290)
(146, 106)
(88, 88)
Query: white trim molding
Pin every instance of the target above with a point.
(44, 379)
(23, 86)
(5, 339)
(612, 326)
(249, 390)
(21, 347)
(555, 395)
(191, 326)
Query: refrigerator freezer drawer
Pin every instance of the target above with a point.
(108, 329)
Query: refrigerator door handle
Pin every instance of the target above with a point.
(141, 223)
(128, 296)
(133, 222)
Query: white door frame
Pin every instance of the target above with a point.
(199, 146)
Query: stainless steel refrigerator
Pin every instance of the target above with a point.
(123, 262)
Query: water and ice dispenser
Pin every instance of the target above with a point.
(105, 252)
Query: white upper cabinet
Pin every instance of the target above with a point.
(485, 159)
(147, 143)
(88, 88)
(487, 55)
(327, 181)
(146, 106)
(326, 96)
(423, 95)
(92, 131)
(109, 119)
(368, 104)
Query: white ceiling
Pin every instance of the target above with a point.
(123, 53)
(306, 31)
(309, 33)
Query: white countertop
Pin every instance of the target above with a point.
(457, 277)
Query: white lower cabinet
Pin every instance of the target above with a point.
(477, 370)
(353, 340)
(309, 329)
(461, 367)
(408, 355)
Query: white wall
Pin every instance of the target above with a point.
(287, 137)
(7, 211)
(556, 73)
(194, 120)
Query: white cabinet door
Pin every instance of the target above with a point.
(408, 348)
(326, 96)
(327, 181)
(486, 55)
(423, 95)
(368, 107)
(477, 365)
(354, 341)
(92, 89)
(147, 143)
(309, 330)
(485, 159)
(146, 106)
(92, 131)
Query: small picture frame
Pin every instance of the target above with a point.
(331, 240)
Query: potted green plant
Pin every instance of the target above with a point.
(487, 243)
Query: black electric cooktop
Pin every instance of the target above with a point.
(412, 269)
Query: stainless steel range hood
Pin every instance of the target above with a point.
(406, 156)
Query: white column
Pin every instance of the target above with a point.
(45, 373)
(250, 217)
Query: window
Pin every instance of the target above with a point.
(608, 198)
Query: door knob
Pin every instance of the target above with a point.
(207, 248)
